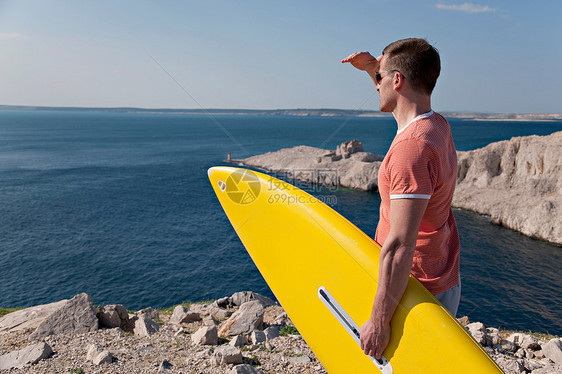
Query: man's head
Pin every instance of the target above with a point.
(416, 60)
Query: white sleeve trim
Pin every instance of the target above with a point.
(410, 196)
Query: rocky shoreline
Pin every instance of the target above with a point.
(517, 182)
(242, 333)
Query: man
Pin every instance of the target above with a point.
(416, 179)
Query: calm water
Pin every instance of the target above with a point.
(119, 206)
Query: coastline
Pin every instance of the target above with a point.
(242, 333)
(300, 112)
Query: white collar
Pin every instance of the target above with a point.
(425, 115)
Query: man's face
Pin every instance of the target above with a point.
(385, 86)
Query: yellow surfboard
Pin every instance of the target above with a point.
(323, 271)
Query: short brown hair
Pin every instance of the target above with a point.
(417, 60)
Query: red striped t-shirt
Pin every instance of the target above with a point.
(422, 164)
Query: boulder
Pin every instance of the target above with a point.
(111, 316)
(27, 356)
(98, 355)
(144, 326)
(206, 335)
(553, 350)
(28, 318)
(182, 314)
(76, 316)
(148, 312)
(226, 354)
(478, 332)
(245, 320)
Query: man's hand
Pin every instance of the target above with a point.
(362, 61)
(374, 338)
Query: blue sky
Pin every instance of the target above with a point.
(497, 56)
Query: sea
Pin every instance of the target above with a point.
(118, 205)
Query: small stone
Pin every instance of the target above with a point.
(144, 326)
(226, 354)
(271, 332)
(182, 314)
(223, 302)
(218, 312)
(463, 321)
(181, 331)
(244, 369)
(257, 337)
(476, 329)
(27, 356)
(238, 341)
(97, 355)
(164, 367)
(206, 335)
(210, 321)
(493, 336)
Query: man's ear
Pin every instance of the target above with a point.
(398, 80)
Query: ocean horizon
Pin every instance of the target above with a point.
(118, 205)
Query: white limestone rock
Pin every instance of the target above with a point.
(517, 182)
(239, 298)
(115, 315)
(245, 320)
(226, 354)
(98, 355)
(238, 341)
(553, 350)
(144, 326)
(28, 318)
(478, 332)
(27, 356)
(206, 335)
(257, 337)
(182, 314)
(76, 316)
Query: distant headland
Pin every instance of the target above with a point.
(292, 112)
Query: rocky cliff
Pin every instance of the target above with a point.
(517, 182)
(347, 166)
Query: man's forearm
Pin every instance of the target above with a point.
(394, 269)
